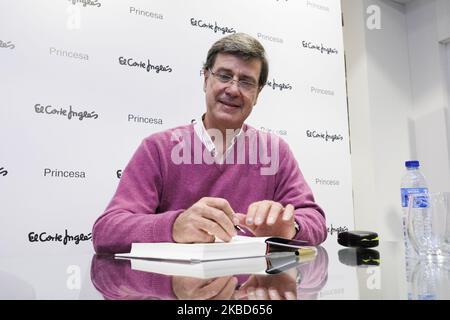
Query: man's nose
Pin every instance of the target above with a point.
(232, 87)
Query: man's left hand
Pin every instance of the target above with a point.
(281, 286)
(269, 218)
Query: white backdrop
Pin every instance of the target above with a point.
(58, 56)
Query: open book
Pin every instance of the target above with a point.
(272, 264)
(238, 247)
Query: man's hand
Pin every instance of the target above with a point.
(269, 218)
(282, 286)
(206, 219)
(186, 288)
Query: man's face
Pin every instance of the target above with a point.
(228, 104)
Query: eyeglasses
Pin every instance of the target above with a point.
(245, 85)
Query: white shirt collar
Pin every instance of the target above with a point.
(205, 138)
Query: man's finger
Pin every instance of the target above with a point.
(213, 228)
(290, 295)
(261, 293)
(251, 212)
(274, 213)
(212, 289)
(200, 236)
(251, 294)
(220, 204)
(241, 222)
(221, 219)
(262, 212)
(288, 212)
(227, 291)
(274, 294)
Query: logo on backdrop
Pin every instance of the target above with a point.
(280, 132)
(146, 65)
(324, 135)
(269, 38)
(278, 85)
(317, 6)
(327, 182)
(216, 28)
(331, 229)
(322, 91)
(148, 14)
(68, 113)
(65, 238)
(3, 172)
(119, 174)
(56, 173)
(138, 119)
(68, 54)
(85, 3)
(319, 47)
(7, 45)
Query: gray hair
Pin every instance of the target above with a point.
(243, 46)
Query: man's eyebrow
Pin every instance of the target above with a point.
(224, 70)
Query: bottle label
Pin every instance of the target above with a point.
(419, 202)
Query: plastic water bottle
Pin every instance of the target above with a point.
(413, 182)
(426, 281)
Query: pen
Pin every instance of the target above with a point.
(236, 225)
(305, 251)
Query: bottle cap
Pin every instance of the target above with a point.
(412, 164)
(358, 239)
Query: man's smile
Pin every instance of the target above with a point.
(229, 103)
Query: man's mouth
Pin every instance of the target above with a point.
(229, 104)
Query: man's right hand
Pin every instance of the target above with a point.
(186, 288)
(207, 219)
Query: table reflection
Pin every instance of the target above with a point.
(428, 280)
(115, 279)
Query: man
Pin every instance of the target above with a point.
(164, 197)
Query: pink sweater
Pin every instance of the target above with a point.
(153, 191)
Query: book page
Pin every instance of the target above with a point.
(242, 239)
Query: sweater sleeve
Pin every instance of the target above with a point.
(132, 215)
(291, 188)
(115, 280)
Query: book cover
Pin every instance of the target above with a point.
(238, 247)
(265, 265)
